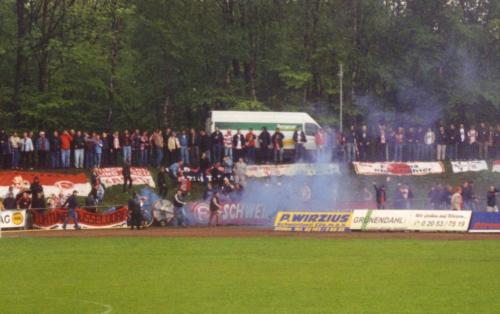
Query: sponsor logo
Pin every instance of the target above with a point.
(17, 218)
(313, 221)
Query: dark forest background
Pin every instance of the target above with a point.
(97, 64)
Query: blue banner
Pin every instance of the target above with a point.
(485, 222)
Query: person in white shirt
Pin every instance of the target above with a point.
(27, 151)
(473, 144)
(429, 140)
(15, 145)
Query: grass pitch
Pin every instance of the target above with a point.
(248, 275)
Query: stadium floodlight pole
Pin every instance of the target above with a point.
(341, 77)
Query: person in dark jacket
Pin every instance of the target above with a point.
(217, 140)
(127, 177)
(381, 196)
(277, 140)
(264, 142)
(55, 150)
(179, 204)
(215, 207)
(134, 208)
(205, 144)
(72, 204)
(491, 200)
(238, 145)
(299, 139)
(162, 182)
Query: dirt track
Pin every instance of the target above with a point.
(232, 232)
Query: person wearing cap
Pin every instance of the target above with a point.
(42, 149)
(72, 204)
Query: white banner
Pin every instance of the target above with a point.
(410, 220)
(258, 171)
(440, 220)
(398, 168)
(469, 166)
(393, 220)
(114, 176)
(12, 219)
(496, 166)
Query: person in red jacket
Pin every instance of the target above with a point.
(66, 140)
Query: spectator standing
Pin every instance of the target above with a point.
(457, 202)
(72, 204)
(55, 150)
(15, 145)
(106, 149)
(277, 140)
(217, 141)
(184, 147)
(144, 147)
(320, 141)
(462, 141)
(399, 139)
(116, 147)
(382, 144)
(441, 141)
(194, 147)
(4, 150)
(482, 140)
(157, 140)
(473, 145)
(238, 145)
(429, 141)
(228, 144)
(350, 144)
(490, 144)
(9, 201)
(173, 146)
(79, 144)
(364, 142)
(89, 150)
(419, 143)
(491, 200)
(452, 143)
(205, 144)
(27, 151)
(98, 146)
(136, 148)
(126, 142)
(250, 146)
(66, 140)
(299, 140)
(264, 142)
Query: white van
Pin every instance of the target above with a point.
(287, 122)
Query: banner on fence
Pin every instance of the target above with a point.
(312, 221)
(232, 213)
(114, 176)
(259, 171)
(379, 220)
(12, 219)
(54, 219)
(52, 182)
(496, 166)
(485, 222)
(398, 168)
(440, 220)
(469, 166)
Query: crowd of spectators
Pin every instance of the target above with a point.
(164, 147)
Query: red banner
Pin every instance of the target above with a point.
(52, 182)
(54, 219)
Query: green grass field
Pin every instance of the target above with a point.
(248, 275)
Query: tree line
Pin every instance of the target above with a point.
(105, 64)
